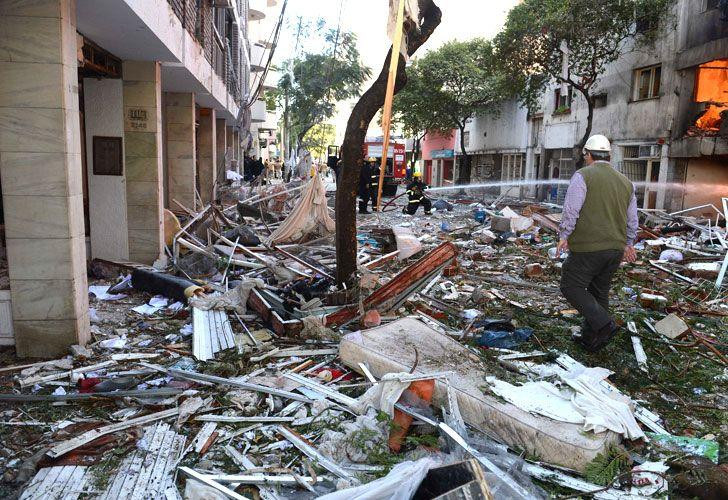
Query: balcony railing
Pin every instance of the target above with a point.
(197, 23)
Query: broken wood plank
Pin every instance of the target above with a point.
(146, 393)
(212, 484)
(244, 420)
(311, 452)
(212, 333)
(73, 443)
(303, 353)
(39, 379)
(235, 383)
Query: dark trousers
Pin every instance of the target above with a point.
(586, 278)
(364, 197)
(412, 207)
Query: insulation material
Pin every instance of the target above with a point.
(582, 402)
(390, 349)
(309, 217)
(232, 300)
(400, 484)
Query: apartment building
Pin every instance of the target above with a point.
(661, 106)
(110, 111)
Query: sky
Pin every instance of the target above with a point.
(461, 20)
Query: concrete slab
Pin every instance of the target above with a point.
(390, 348)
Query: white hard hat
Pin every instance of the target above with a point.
(598, 143)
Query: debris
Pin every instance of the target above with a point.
(533, 270)
(311, 452)
(66, 446)
(385, 350)
(686, 444)
(671, 326)
(212, 333)
(407, 243)
(172, 287)
(639, 353)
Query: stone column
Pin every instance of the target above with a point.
(40, 164)
(236, 151)
(207, 154)
(229, 146)
(180, 123)
(223, 159)
(143, 160)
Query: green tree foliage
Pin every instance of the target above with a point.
(596, 33)
(319, 138)
(315, 82)
(449, 86)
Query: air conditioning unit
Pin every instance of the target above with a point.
(649, 151)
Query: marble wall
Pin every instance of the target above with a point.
(207, 154)
(143, 160)
(40, 165)
(180, 148)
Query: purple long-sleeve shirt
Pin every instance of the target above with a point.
(575, 196)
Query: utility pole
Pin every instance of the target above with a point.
(285, 128)
(389, 98)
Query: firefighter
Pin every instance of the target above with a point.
(365, 176)
(374, 184)
(416, 194)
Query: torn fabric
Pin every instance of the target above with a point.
(411, 14)
(310, 216)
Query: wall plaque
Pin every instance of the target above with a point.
(107, 155)
(137, 120)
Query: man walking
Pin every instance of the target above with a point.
(598, 227)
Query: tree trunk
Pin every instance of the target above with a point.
(352, 149)
(464, 173)
(415, 154)
(587, 133)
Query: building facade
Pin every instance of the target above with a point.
(110, 112)
(659, 105)
(438, 159)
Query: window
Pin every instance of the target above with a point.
(512, 171)
(645, 24)
(641, 163)
(600, 100)
(647, 83)
(466, 138)
(562, 103)
(711, 4)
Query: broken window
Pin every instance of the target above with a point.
(600, 100)
(711, 88)
(641, 164)
(562, 102)
(647, 83)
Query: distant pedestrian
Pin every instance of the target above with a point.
(598, 227)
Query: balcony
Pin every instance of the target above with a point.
(256, 11)
(271, 80)
(258, 112)
(258, 58)
(270, 123)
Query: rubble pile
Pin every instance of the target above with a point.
(241, 370)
